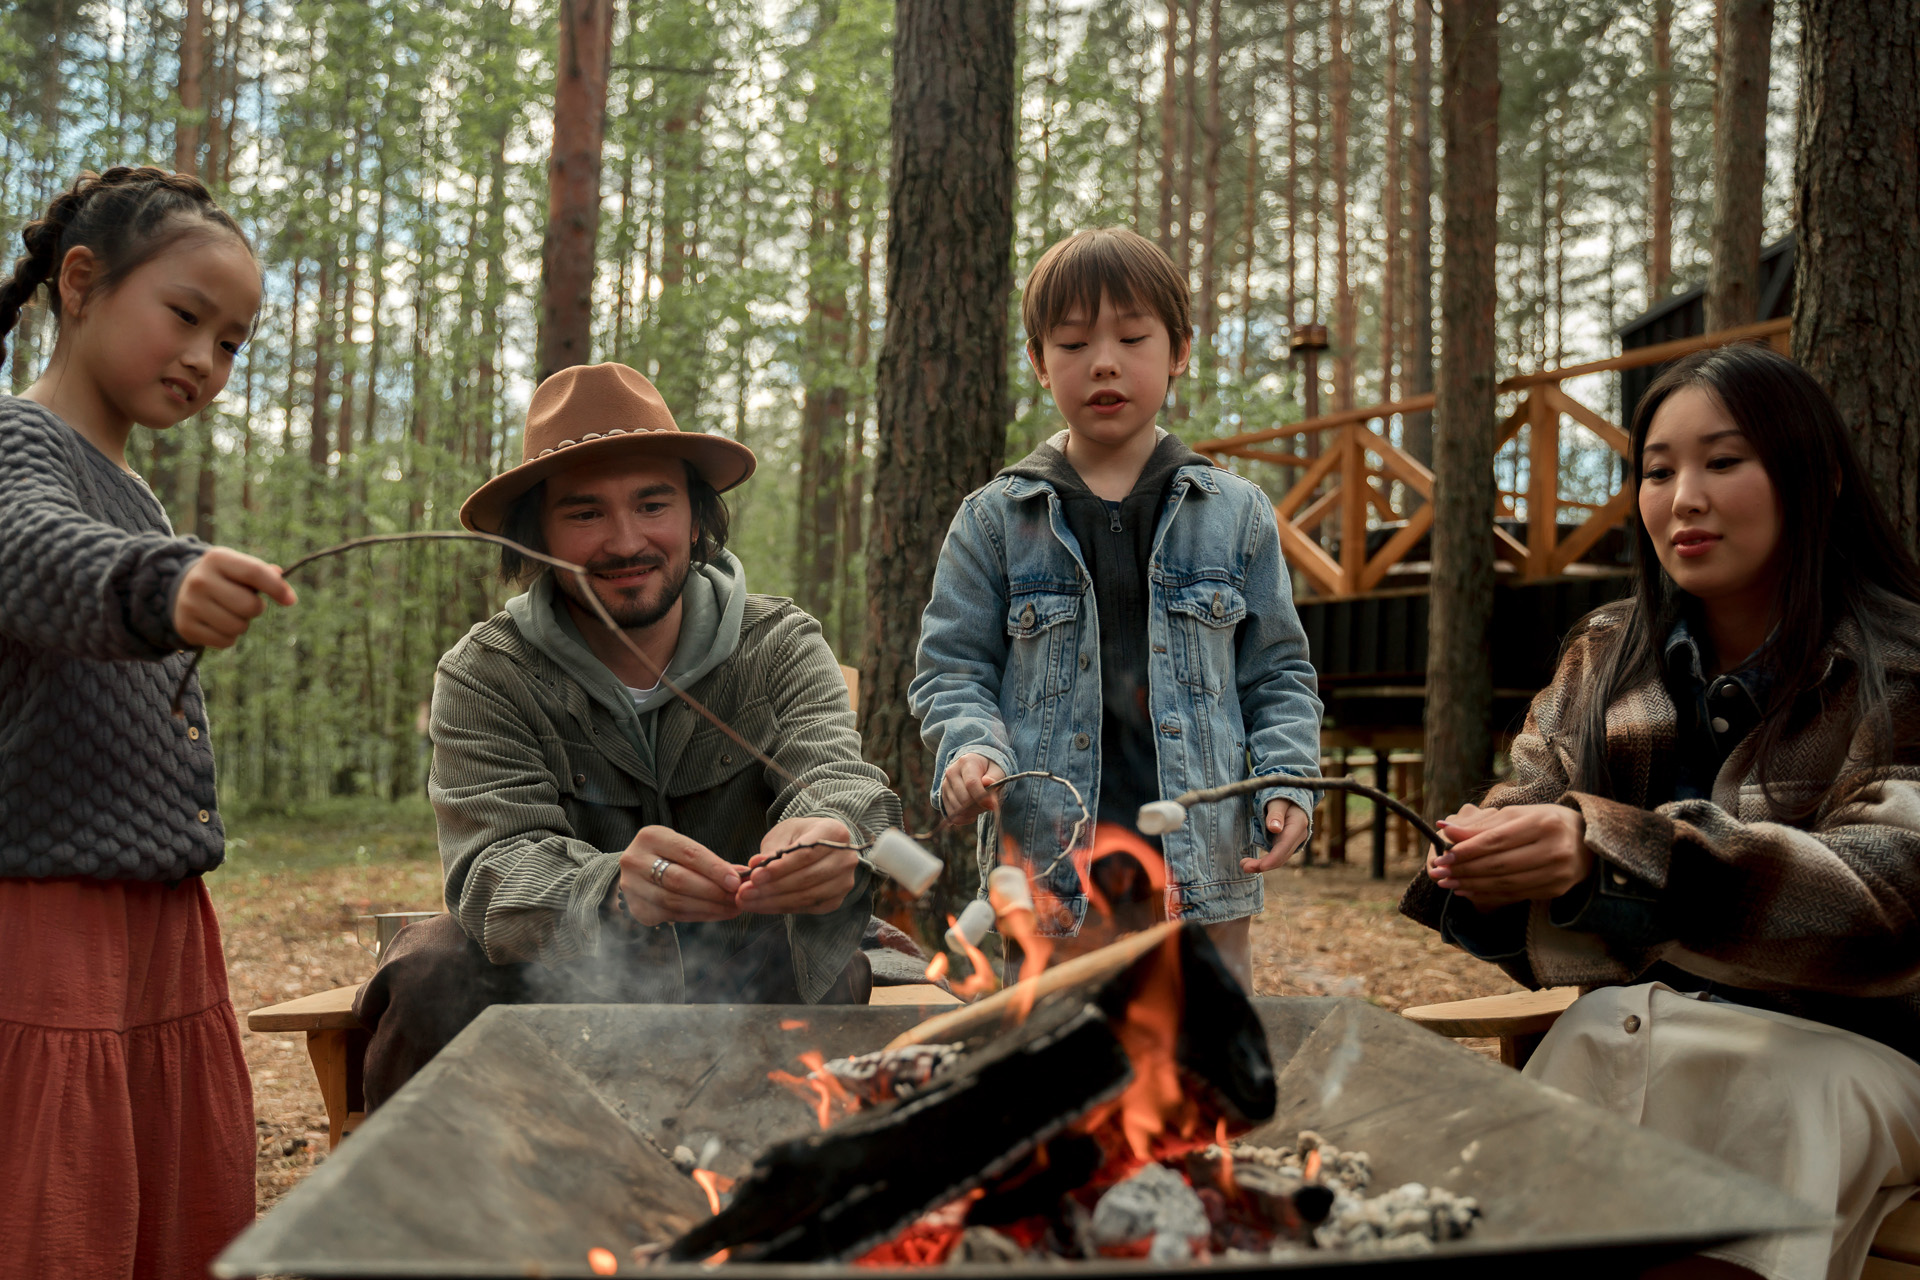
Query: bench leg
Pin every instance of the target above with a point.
(336, 1056)
(1515, 1050)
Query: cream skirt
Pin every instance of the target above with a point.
(1831, 1117)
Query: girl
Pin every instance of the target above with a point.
(1714, 817)
(124, 1099)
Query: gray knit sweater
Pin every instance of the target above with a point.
(97, 777)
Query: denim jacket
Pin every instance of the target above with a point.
(1009, 669)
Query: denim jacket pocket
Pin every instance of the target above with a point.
(1204, 618)
(1041, 639)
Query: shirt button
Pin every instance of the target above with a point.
(1720, 724)
(205, 816)
(726, 759)
(579, 779)
(1085, 662)
(1081, 741)
(193, 733)
(1619, 877)
(1632, 1024)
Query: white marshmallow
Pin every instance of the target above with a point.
(1008, 887)
(897, 854)
(971, 926)
(1160, 817)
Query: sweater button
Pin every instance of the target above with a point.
(1081, 741)
(205, 816)
(193, 733)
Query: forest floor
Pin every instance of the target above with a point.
(292, 886)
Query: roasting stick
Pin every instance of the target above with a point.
(1162, 816)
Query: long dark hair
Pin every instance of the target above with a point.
(1843, 561)
(126, 216)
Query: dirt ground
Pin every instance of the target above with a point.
(291, 889)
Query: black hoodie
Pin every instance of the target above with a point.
(1116, 540)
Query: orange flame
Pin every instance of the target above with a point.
(1310, 1170)
(818, 1089)
(714, 1184)
(793, 1024)
(1220, 1140)
(937, 967)
(981, 981)
(602, 1262)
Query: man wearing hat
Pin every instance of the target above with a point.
(597, 831)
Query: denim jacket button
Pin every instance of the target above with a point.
(1081, 742)
(1085, 662)
(1218, 608)
(1026, 616)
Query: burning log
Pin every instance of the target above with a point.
(1144, 1051)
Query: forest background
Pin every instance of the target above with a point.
(390, 161)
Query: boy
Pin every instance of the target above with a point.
(1114, 609)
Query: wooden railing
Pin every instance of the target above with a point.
(1355, 466)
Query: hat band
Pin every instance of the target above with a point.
(593, 435)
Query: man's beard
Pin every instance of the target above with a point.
(632, 615)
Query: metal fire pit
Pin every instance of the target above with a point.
(533, 1138)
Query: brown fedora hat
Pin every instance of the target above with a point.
(597, 412)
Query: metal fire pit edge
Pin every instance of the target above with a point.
(542, 1132)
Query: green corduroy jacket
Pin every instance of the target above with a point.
(539, 788)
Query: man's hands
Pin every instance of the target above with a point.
(1289, 824)
(1520, 853)
(809, 881)
(697, 884)
(220, 595)
(967, 787)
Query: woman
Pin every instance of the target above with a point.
(1714, 816)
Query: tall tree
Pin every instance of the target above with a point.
(1210, 199)
(1745, 52)
(1390, 211)
(1856, 315)
(1169, 119)
(1459, 712)
(942, 377)
(1418, 429)
(193, 58)
(1346, 327)
(573, 203)
(1660, 185)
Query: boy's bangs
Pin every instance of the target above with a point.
(1110, 264)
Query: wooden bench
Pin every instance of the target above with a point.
(336, 1042)
(1519, 1019)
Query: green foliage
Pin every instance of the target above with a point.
(389, 158)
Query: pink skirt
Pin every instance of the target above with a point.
(125, 1105)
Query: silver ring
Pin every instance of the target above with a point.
(658, 872)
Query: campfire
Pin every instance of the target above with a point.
(1095, 1112)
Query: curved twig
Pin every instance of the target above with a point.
(1245, 786)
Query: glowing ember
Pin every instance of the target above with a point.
(602, 1262)
(927, 1242)
(714, 1184)
(793, 1024)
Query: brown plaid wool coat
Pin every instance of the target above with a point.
(1816, 919)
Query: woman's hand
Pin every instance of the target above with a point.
(220, 595)
(967, 787)
(1521, 853)
(812, 880)
(1288, 822)
(695, 883)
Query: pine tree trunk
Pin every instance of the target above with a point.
(942, 376)
(823, 411)
(1459, 712)
(1289, 56)
(1345, 318)
(1739, 162)
(573, 199)
(1169, 100)
(1210, 201)
(193, 58)
(1189, 119)
(1390, 212)
(1660, 189)
(1249, 224)
(1856, 315)
(1418, 429)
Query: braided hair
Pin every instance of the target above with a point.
(127, 216)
